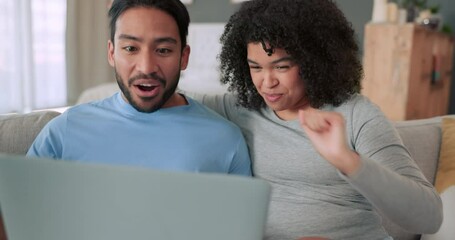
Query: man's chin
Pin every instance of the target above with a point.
(147, 107)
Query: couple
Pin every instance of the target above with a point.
(331, 156)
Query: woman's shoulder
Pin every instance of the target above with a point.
(358, 103)
(359, 109)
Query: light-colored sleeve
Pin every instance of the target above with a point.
(49, 142)
(410, 203)
(389, 178)
(241, 163)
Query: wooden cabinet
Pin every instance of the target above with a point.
(408, 70)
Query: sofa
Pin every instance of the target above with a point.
(423, 138)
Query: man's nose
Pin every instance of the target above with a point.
(147, 63)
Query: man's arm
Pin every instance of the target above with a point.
(241, 163)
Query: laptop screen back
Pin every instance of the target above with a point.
(45, 199)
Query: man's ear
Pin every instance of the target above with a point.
(185, 57)
(110, 53)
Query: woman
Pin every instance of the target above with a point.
(331, 156)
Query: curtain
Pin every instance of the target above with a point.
(86, 46)
(32, 61)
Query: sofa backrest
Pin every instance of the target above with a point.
(18, 131)
(98, 92)
(423, 140)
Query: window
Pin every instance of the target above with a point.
(32, 55)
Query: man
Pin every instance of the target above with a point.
(147, 123)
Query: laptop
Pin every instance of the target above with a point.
(46, 199)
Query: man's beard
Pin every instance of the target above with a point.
(167, 92)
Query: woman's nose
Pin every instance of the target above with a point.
(270, 80)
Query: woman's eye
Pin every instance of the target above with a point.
(281, 67)
(255, 67)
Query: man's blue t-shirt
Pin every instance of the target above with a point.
(183, 138)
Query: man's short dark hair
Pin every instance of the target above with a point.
(175, 8)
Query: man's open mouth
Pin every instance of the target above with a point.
(146, 87)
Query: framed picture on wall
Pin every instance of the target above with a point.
(186, 1)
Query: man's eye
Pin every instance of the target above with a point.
(130, 48)
(163, 51)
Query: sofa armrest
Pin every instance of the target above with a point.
(422, 138)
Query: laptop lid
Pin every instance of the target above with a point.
(44, 199)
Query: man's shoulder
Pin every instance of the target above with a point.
(77, 111)
(91, 107)
(210, 115)
(205, 111)
(73, 112)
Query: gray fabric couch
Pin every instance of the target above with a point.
(421, 137)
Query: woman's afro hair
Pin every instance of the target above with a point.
(314, 33)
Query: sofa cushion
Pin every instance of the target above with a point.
(18, 131)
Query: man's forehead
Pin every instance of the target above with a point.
(140, 22)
